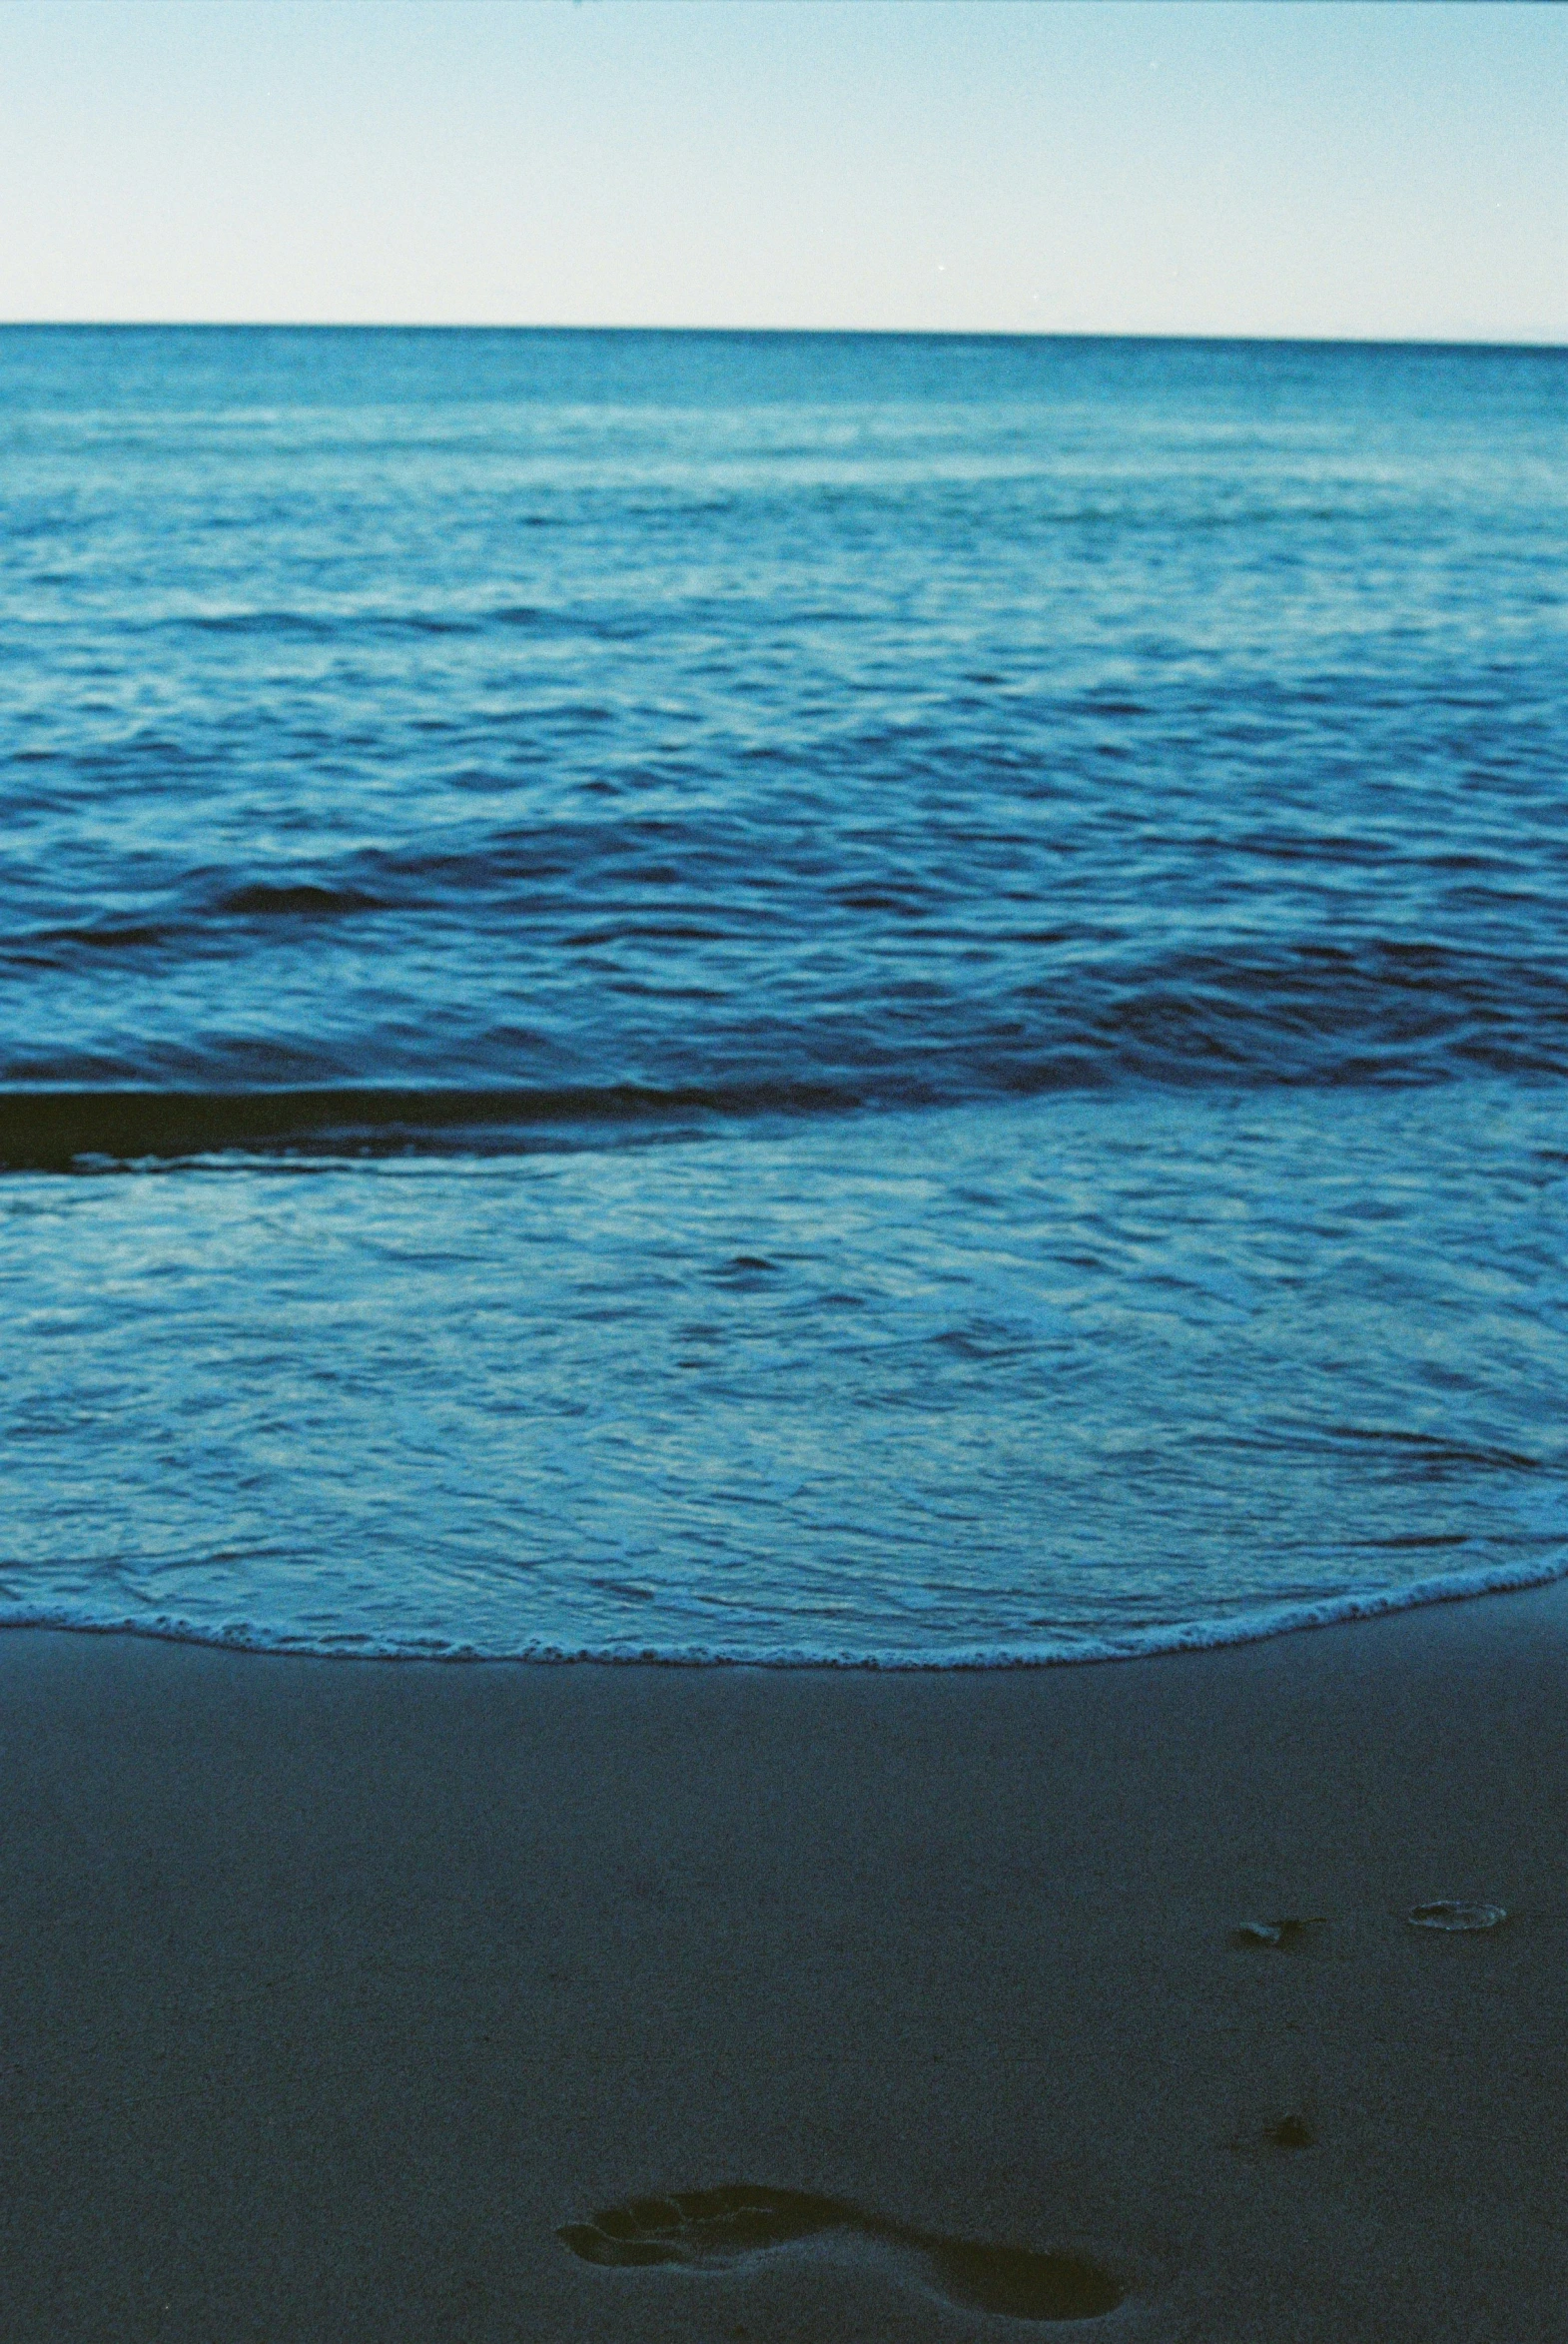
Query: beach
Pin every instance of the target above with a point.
(336, 1989)
(782, 1179)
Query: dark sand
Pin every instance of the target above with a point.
(332, 1990)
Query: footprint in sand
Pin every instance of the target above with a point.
(1295, 1936)
(1287, 2133)
(708, 2228)
(1452, 1919)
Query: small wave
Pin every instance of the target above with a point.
(64, 1130)
(1254, 1627)
(1430, 1453)
(264, 900)
(54, 948)
(270, 625)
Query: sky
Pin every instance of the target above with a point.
(1377, 171)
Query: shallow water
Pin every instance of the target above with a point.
(779, 996)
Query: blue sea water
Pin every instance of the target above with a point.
(778, 996)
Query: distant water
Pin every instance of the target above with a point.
(778, 995)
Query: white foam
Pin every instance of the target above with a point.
(1248, 1627)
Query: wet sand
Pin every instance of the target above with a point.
(333, 1992)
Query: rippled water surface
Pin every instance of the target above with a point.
(777, 995)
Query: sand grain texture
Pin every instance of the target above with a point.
(333, 1992)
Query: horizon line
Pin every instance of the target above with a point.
(820, 333)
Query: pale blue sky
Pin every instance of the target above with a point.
(1243, 167)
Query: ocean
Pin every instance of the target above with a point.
(862, 998)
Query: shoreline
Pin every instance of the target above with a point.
(1220, 1634)
(335, 1994)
